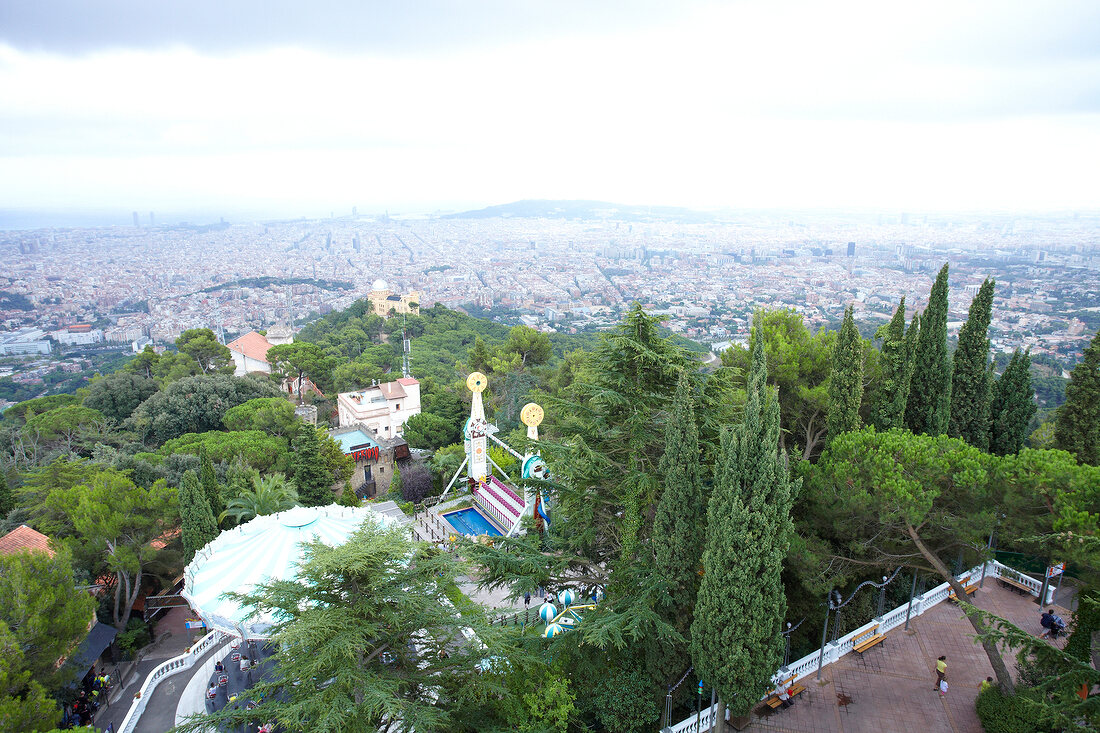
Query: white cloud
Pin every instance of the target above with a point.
(747, 105)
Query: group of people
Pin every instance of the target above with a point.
(96, 685)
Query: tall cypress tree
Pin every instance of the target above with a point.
(846, 381)
(7, 499)
(1012, 407)
(890, 410)
(971, 385)
(209, 482)
(198, 525)
(929, 403)
(736, 640)
(681, 512)
(312, 475)
(1077, 428)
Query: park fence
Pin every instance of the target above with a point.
(834, 650)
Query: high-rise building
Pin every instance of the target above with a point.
(851, 249)
(151, 220)
(137, 222)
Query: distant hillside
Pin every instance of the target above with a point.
(550, 209)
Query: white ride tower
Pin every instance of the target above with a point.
(498, 501)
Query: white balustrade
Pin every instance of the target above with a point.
(168, 668)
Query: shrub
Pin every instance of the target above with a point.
(135, 637)
(1000, 713)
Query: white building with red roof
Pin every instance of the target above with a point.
(384, 408)
(249, 353)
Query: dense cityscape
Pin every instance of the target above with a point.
(563, 269)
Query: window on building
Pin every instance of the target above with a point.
(398, 407)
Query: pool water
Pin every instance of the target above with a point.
(470, 522)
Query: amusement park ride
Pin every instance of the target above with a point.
(493, 497)
(503, 505)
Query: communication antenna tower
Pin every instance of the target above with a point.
(406, 348)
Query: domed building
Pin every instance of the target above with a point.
(383, 300)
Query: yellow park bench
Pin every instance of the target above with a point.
(967, 585)
(773, 700)
(866, 640)
(1014, 584)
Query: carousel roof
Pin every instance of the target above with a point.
(263, 549)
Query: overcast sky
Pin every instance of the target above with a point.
(264, 106)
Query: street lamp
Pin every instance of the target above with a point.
(832, 602)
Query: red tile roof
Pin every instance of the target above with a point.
(392, 390)
(24, 538)
(407, 381)
(253, 345)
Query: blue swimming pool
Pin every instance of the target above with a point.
(470, 522)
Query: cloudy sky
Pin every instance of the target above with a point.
(254, 105)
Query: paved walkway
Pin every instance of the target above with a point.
(173, 639)
(889, 688)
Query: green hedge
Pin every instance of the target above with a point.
(1006, 714)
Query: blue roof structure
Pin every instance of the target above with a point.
(354, 439)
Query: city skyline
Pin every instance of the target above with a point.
(125, 106)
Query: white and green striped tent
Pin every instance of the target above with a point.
(263, 549)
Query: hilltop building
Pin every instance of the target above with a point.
(374, 456)
(381, 408)
(249, 352)
(383, 300)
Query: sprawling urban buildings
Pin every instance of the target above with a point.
(553, 269)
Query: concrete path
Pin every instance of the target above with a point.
(889, 688)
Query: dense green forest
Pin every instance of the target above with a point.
(706, 506)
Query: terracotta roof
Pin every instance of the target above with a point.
(24, 538)
(253, 345)
(407, 381)
(392, 390)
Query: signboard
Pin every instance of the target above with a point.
(365, 454)
(194, 623)
(1055, 570)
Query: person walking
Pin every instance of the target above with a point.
(941, 671)
(527, 599)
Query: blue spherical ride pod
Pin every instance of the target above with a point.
(553, 630)
(547, 612)
(566, 597)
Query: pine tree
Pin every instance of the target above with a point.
(348, 497)
(1078, 424)
(846, 381)
(681, 512)
(929, 404)
(199, 526)
(311, 474)
(890, 410)
(971, 384)
(209, 482)
(736, 642)
(1012, 407)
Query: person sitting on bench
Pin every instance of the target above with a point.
(784, 695)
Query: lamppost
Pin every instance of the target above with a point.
(832, 602)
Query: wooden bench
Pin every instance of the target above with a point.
(968, 586)
(773, 700)
(866, 640)
(1015, 585)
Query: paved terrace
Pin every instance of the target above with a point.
(889, 688)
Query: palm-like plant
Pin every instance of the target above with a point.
(268, 495)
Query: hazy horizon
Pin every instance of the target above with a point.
(264, 107)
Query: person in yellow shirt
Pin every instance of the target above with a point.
(986, 684)
(941, 671)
